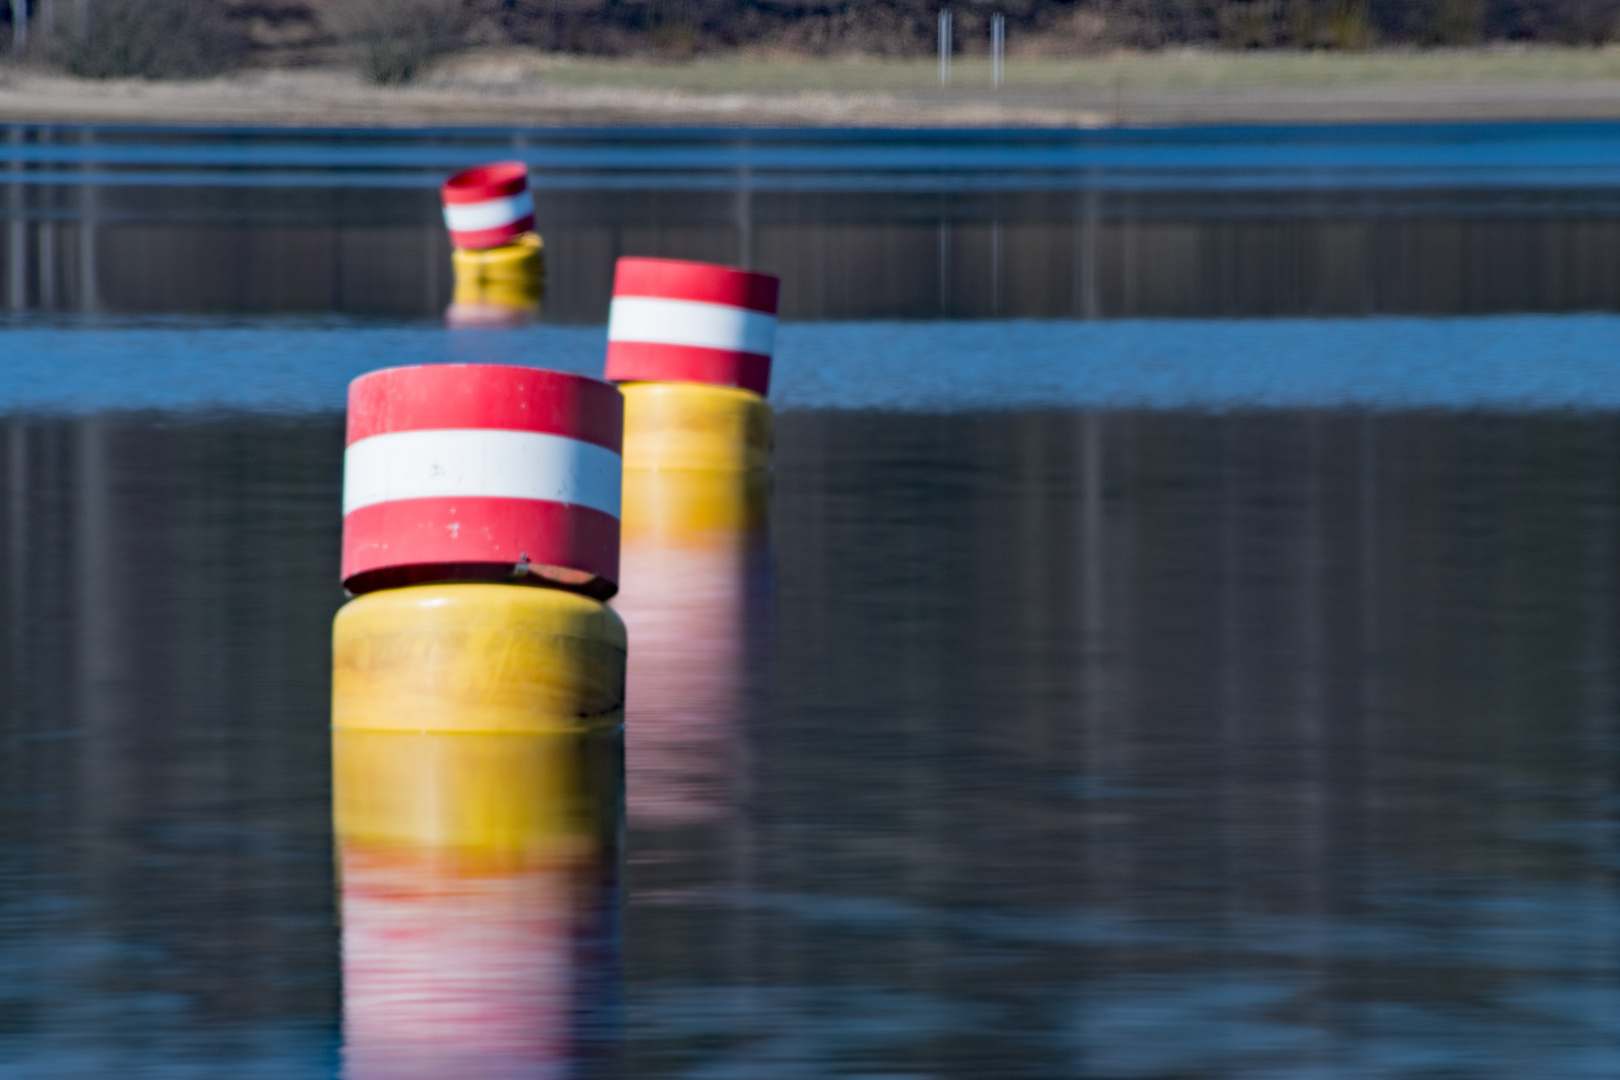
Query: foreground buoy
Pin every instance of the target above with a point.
(478, 722)
(691, 345)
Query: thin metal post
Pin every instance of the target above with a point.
(89, 301)
(1085, 271)
(45, 255)
(16, 230)
(744, 208)
(944, 47)
(19, 26)
(995, 265)
(998, 48)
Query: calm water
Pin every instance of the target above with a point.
(1117, 697)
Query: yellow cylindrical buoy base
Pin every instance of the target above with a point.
(478, 803)
(499, 802)
(679, 508)
(468, 658)
(694, 426)
(497, 286)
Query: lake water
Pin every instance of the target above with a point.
(1183, 643)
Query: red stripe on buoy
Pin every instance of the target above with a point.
(416, 537)
(496, 180)
(677, 279)
(640, 361)
(433, 396)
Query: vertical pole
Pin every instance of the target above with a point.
(1086, 256)
(19, 26)
(17, 543)
(430, 268)
(745, 218)
(45, 239)
(944, 47)
(88, 300)
(998, 48)
(16, 233)
(45, 242)
(995, 257)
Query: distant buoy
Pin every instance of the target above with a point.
(488, 206)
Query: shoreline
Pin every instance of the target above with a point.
(501, 89)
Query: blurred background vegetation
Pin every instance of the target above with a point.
(393, 40)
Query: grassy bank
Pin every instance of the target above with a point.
(1179, 69)
(526, 87)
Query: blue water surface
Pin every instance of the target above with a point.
(1550, 156)
(1514, 362)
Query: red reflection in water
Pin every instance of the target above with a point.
(451, 974)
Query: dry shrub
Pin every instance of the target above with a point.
(878, 30)
(1250, 24)
(391, 41)
(148, 39)
(1083, 31)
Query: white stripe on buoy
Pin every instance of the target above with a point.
(490, 214)
(487, 463)
(692, 323)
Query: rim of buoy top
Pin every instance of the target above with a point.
(673, 320)
(482, 472)
(488, 205)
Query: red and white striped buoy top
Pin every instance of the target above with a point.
(677, 321)
(488, 206)
(482, 472)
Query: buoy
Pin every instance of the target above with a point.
(498, 258)
(482, 472)
(691, 345)
(488, 206)
(477, 713)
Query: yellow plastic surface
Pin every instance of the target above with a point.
(550, 797)
(513, 276)
(686, 507)
(477, 658)
(691, 426)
